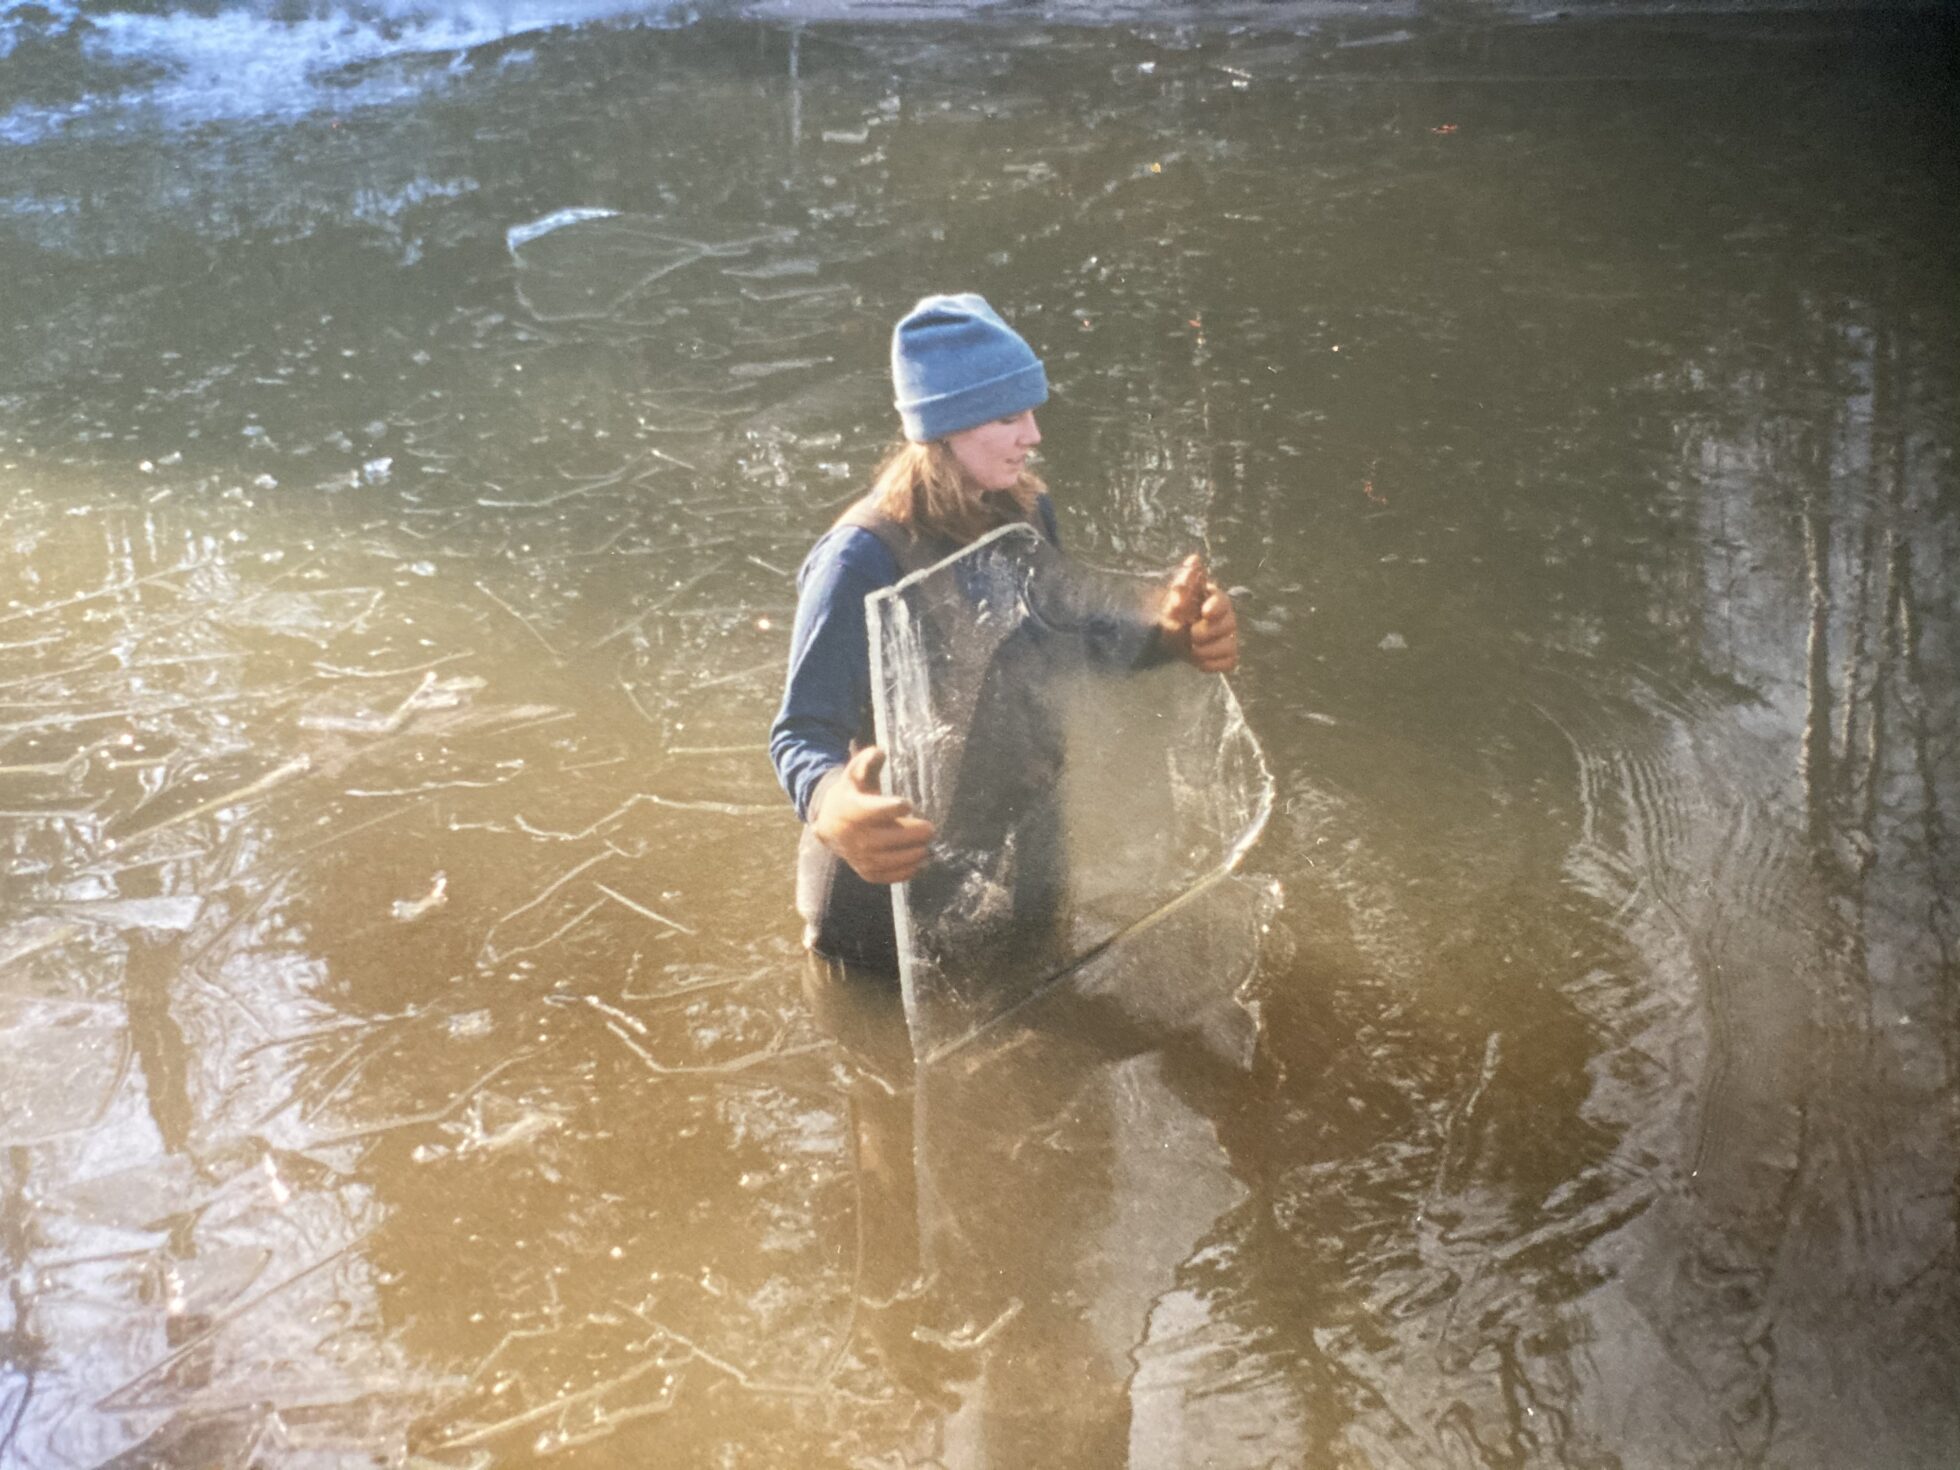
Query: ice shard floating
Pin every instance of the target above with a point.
(1081, 783)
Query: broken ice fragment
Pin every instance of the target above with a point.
(20, 941)
(520, 235)
(410, 910)
(1079, 781)
(173, 915)
(317, 617)
(582, 264)
(64, 1062)
(209, 1280)
(469, 1024)
(136, 1197)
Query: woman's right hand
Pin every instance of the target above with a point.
(879, 836)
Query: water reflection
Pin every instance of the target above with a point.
(405, 1043)
(1026, 1202)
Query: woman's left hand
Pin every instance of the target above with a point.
(1198, 621)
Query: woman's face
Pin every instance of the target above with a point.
(994, 453)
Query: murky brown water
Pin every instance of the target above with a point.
(407, 1048)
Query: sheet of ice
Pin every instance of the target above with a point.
(63, 1061)
(585, 264)
(171, 915)
(1079, 783)
(135, 1197)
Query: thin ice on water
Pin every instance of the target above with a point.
(1080, 782)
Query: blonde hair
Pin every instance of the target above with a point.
(922, 486)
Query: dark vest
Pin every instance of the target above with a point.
(844, 917)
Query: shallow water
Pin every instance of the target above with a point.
(407, 1048)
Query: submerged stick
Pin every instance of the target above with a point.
(556, 934)
(110, 591)
(790, 1387)
(433, 1115)
(558, 1406)
(773, 666)
(495, 955)
(723, 808)
(616, 1013)
(643, 911)
(46, 768)
(336, 671)
(297, 766)
(669, 1396)
(528, 627)
(772, 1052)
(301, 1038)
(550, 500)
(665, 600)
(69, 718)
(968, 1339)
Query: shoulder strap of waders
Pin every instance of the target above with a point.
(912, 551)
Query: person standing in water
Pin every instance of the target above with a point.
(966, 387)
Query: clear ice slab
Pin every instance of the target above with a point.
(1082, 785)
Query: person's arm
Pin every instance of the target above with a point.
(826, 708)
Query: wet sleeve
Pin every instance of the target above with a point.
(827, 694)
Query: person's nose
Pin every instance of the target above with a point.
(1030, 434)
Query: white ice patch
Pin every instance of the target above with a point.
(184, 67)
(518, 236)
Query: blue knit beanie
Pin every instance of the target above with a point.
(955, 364)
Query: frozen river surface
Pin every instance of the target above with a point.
(410, 424)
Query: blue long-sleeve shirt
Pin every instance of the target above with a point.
(827, 694)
